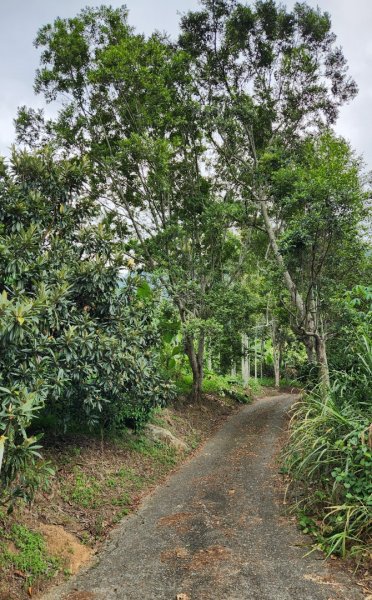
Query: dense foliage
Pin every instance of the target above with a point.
(330, 451)
(77, 340)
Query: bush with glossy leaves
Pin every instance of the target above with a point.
(78, 338)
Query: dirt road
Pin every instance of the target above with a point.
(216, 530)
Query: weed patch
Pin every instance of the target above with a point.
(84, 491)
(157, 451)
(222, 385)
(329, 463)
(26, 551)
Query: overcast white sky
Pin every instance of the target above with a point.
(20, 19)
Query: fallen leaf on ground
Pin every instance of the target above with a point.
(20, 574)
(322, 580)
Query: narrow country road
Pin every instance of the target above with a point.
(216, 530)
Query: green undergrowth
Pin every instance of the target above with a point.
(191, 437)
(231, 386)
(222, 385)
(157, 451)
(270, 382)
(90, 492)
(82, 490)
(25, 550)
(329, 462)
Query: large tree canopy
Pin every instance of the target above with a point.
(185, 140)
(266, 78)
(129, 109)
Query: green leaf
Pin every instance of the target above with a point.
(144, 290)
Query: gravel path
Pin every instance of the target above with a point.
(216, 530)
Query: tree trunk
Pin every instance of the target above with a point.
(245, 373)
(307, 322)
(196, 362)
(243, 357)
(290, 284)
(277, 371)
(255, 357)
(197, 384)
(262, 356)
(276, 355)
(321, 354)
(248, 360)
(310, 350)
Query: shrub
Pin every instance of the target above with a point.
(31, 556)
(78, 341)
(329, 461)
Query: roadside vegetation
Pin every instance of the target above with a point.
(187, 228)
(329, 456)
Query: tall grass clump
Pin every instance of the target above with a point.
(329, 461)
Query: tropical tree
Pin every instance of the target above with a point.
(73, 342)
(266, 77)
(129, 108)
(318, 210)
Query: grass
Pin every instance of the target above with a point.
(86, 491)
(159, 452)
(129, 475)
(270, 382)
(329, 464)
(25, 550)
(231, 385)
(83, 490)
(221, 385)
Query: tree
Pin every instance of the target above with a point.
(73, 342)
(266, 77)
(129, 107)
(237, 304)
(318, 201)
